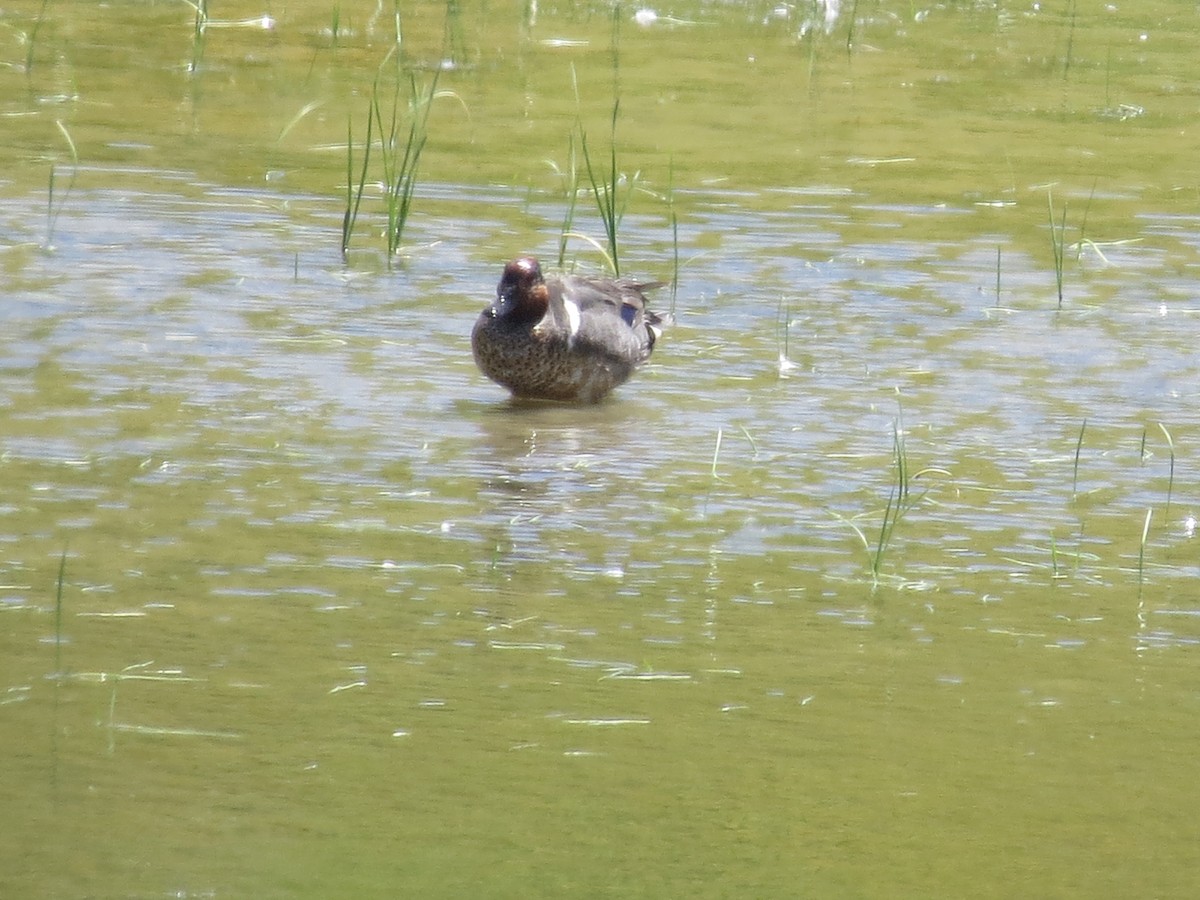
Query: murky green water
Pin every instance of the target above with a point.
(337, 620)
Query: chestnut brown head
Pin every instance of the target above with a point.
(522, 294)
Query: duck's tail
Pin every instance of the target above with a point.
(656, 324)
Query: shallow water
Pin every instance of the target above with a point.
(336, 618)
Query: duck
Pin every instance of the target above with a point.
(570, 338)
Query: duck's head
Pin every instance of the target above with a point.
(522, 294)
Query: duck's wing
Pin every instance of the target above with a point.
(603, 317)
(623, 296)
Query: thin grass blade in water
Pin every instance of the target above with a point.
(1171, 474)
(353, 195)
(1057, 240)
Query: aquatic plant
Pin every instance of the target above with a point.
(606, 190)
(453, 43)
(1083, 239)
(137, 672)
(400, 150)
(1078, 450)
(52, 209)
(1057, 244)
(717, 455)
(199, 29)
(335, 25)
(353, 193)
(570, 181)
(897, 502)
(1070, 40)
(400, 163)
(997, 276)
(675, 238)
(783, 327)
(1171, 472)
(58, 613)
(305, 110)
(1108, 105)
(606, 184)
(1142, 550)
(33, 35)
(603, 185)
(900, 500)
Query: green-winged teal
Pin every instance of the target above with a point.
(573, 338)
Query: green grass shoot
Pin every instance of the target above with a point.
(199, 30)
(853, 19)
(675, 236)
(354, 193)
(900, 455)
(58, 614)
(298, 118)
(750, 440)
(783, 328)
(606, 190)
(1070, 41)
(33, 35)
(1075, 468)
(454, 43)
(400, 162)
(717, 453)
(570, 181)
(891, 515)
(606, 184)
(997, 277)
(897, 503)
(401, 137)
(1142, 550)
(52, 208)
(1171, 474)
(714, 474)
(1083, 239)
(1056, 244)
(1108, 79)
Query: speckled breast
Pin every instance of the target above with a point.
(537, 366)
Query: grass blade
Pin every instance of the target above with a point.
(1142, 550)
(354, 195)
(1078, 450)
(58, 614)
(1171, 474)
(1056, 244)
(54, 209)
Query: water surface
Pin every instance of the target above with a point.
(336, 618)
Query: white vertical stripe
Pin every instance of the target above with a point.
(573, 314)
